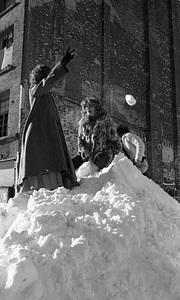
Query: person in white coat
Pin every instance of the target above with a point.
(133, 147)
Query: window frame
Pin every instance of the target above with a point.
(4, 33)
(12, 6)
(5, 6)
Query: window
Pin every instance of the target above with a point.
(6, 39)
(4, 111)
(6, 48)
(4, 4)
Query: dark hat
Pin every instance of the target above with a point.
(122, 129)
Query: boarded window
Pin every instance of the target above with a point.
(4, 111)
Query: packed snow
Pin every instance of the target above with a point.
(114, 237)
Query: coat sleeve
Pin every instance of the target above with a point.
(99, 136)
(83, 146)
(112, 138)
(48, 83)
(105, 137)
(139, 146)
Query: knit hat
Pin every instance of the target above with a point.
(122, 129)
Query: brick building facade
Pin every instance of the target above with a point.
(123, 47)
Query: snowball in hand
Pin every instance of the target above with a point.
(130, 100)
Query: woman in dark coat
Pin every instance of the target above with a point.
(45, 161)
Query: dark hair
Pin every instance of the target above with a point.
(122, 129)
(38, 73)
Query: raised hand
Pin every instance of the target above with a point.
(68, 56)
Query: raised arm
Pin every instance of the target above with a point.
(57, 73)
(46, 84)
(139, 145)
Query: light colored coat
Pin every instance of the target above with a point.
(135, 149)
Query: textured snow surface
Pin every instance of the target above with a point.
(115, 237)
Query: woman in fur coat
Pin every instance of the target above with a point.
(45, 161)
(97, 137)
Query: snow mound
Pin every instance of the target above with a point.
(115, 237)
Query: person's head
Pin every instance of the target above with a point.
(122, 129)
(91, 106)
(38, 73)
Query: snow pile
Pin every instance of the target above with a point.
(115, 237)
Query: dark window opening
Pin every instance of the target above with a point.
(6, 38)
(4, 111)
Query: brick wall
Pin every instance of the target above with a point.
(175, 90)
(11, 80)
(122, 47)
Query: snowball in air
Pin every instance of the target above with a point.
(130, 100)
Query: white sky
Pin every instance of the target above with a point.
(115, 237)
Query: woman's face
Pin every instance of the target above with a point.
(91, 110)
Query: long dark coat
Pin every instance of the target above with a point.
(44, 148)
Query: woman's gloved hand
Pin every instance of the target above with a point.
(101, 160)
(86, 155)
(68, 56)
(138, 163)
